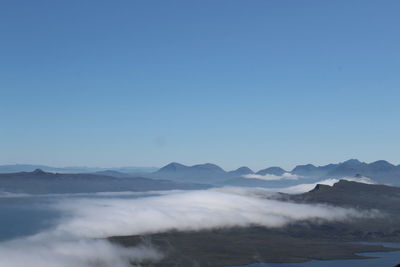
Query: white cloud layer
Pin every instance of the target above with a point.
(271, 177)
(74, 241)
(192, 210)
(296, 189)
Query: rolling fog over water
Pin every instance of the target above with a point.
(63, 230)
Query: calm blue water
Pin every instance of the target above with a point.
(24, 216)
(383, 259)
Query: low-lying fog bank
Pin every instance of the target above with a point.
(74, 240)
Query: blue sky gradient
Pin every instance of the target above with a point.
(256, 83)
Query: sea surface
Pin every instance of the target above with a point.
(24, 215)
(382, 259)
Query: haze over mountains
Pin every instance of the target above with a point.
(179, 176)
(381, 168)
(380, 171)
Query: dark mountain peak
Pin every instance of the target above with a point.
(352, 162)
(208, 166)
(307, 167)
(112, 173)
(320, 188)
(349, 168)
(173, 166)
(343, 182)
(242, 171)
(341, 186)
(350, 187)
(278, 171)
(381, 164)
(39, 172)
(200, 173)
(330, 165)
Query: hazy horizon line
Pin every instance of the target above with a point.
(185, 164)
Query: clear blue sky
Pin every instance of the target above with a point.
(257, 83)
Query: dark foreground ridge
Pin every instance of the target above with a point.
(242, 246)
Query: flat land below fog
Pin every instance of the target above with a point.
(241, 246)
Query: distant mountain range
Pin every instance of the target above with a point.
(380, 171)
(206, 173)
